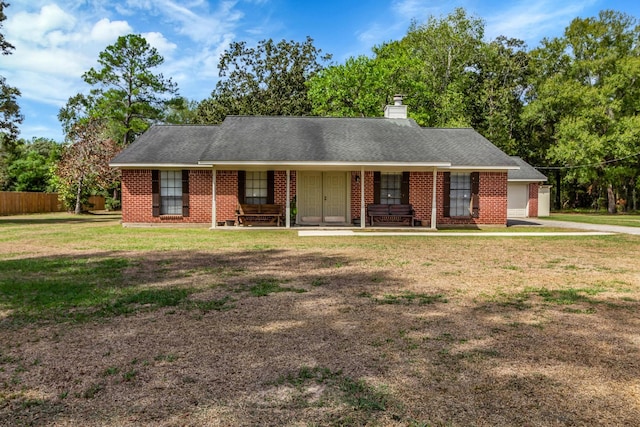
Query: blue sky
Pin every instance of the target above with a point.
(58, 40)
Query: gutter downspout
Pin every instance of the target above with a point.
(434, 208)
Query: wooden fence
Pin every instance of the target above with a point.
(18, 202)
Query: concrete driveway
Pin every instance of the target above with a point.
(575, 225)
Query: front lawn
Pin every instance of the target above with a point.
(105, 326)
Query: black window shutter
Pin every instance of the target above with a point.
(376, 187)
(155, 192)
(475, 194)
(242, 178)
(270, 187)
(185, 192)
(404, 188)
(446, 193)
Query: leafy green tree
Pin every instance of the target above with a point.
(10, 116)
(180, 111)
(31, 170)
(358, 88)
(84, 164)
(5, 46)
(584, 104)
(127, 93)
(269, 79)
(447, 51)
(448, 74)
(499, 84)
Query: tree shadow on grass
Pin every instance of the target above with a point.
(351, 348)
(85, 287)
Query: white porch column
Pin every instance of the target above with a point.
(287, 218)
(214, 221)
(363, 208)
(434, 207)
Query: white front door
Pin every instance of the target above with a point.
(322, 197)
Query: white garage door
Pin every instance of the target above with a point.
(518, 200)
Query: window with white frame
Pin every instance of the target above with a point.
(256, 188)
(171, 192)
(460, 194)
(391, 188)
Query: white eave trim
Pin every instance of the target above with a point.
(157, 166)
(485, 168)
(526, 180)
(327, 164)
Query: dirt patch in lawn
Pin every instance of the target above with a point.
(387, 331)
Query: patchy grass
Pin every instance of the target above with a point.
(108, 326)
(407, 297)
(321, 387)
(269, 286)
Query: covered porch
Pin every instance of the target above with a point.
(326, 196)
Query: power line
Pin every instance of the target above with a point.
(588, 165)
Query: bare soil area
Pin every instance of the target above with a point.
(373, 331)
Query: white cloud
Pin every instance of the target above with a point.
(201, 25)
(53, 50)
(42, 28)
(532, 20)
(158, 40)
(105, 31)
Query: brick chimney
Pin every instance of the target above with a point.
(397, 110)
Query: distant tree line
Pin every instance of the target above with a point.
(569, 106)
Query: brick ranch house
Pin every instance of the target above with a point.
(326, 171)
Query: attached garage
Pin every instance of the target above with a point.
(522, 190)
(517, 200)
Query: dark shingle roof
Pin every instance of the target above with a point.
(320, 139)
(167, 145)
(466, 147)
(269, 139)
(525, 173)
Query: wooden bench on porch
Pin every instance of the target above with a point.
(264, 214)
(390, 214)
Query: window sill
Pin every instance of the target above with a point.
(170, 217)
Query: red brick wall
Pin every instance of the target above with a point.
(421, 194)
(200, 182)
(355, 195)
(226, 195)
(280, 184)
(137, 198)
(533, 199)
(493, 201)
(493, 198)
(227, 192)
(368, 192)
